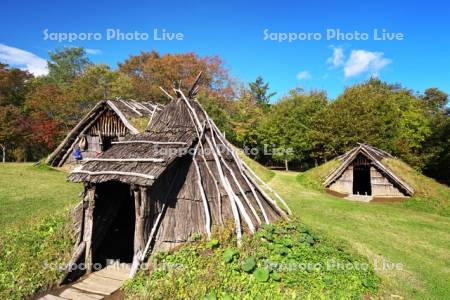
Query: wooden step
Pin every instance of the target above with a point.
(72, 293)
(51, 297)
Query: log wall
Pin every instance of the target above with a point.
(381, 186)
(344, 185)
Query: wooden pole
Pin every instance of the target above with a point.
(139, 226)
(4, 153)
(89, 223)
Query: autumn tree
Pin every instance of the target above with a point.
(11, 129)
(14, 85)
(149, 70)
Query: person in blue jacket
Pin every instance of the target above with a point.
(77, 154)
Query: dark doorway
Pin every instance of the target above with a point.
(114, 223)
(361, 176)
(106, 142)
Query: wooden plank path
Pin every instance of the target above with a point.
(95, 286)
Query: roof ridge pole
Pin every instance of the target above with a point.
(194, 87)
(130, 107)
(256, 176)
(166, 93)
(122, 117)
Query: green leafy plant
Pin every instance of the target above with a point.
(261, 274)
(256, 270)
(229, 254)
(249, 264)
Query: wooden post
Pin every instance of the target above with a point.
(4, 153)
(88, 225)
(142, 208)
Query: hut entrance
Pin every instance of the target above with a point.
(114, 216)
(361, 176)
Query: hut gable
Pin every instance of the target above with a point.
(108, 120)
(182, 177)
(362, 172)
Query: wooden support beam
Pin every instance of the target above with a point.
(114, 173)
(89, 224)
(150, 142)
(124, 159)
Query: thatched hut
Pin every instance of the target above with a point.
(108, 121)
(161, 188)
(363, 175)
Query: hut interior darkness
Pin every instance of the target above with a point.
(362, 173)
(108, 121)
(180, 178)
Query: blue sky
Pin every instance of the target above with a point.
(235, 32)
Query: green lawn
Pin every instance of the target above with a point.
(34, 201)
(29, 193)
(393, 233)
(419, 241)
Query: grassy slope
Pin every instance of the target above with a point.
(429, 195)
(391, 232)
(33, 219)
(28, 192)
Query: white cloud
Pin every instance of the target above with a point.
(337, 59)
(304, 75)
(363, 61)
(93, 51)
(23, 59)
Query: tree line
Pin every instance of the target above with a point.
(300, 130)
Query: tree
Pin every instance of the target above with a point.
(437, 144)
(287, 127)
(221, 111)
(58, 103)
(14, 85)
(150, 70)
(374, 112)
(66, 64)
(435, 99)
(100, 82)
(10, 128)
(260, 91)
(247, 115)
